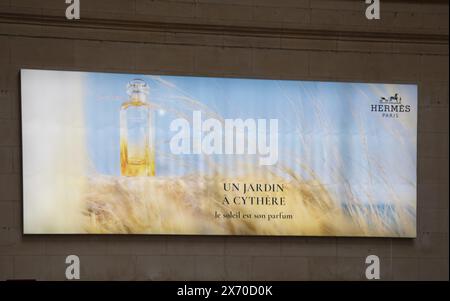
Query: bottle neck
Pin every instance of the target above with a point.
(138, 97)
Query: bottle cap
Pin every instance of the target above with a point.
(137, 86)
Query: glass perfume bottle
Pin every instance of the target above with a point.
(137, 151)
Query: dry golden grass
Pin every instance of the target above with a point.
(186, 205)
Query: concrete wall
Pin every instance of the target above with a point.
(295, 39)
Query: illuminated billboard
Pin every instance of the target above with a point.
(107, 153)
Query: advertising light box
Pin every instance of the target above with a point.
(107, 153)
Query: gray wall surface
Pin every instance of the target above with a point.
(286, 39)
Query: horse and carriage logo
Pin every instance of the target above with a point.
(396, 99)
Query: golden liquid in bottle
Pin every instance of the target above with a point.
(137, 156)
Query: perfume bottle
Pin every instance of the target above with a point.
(137, 151)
